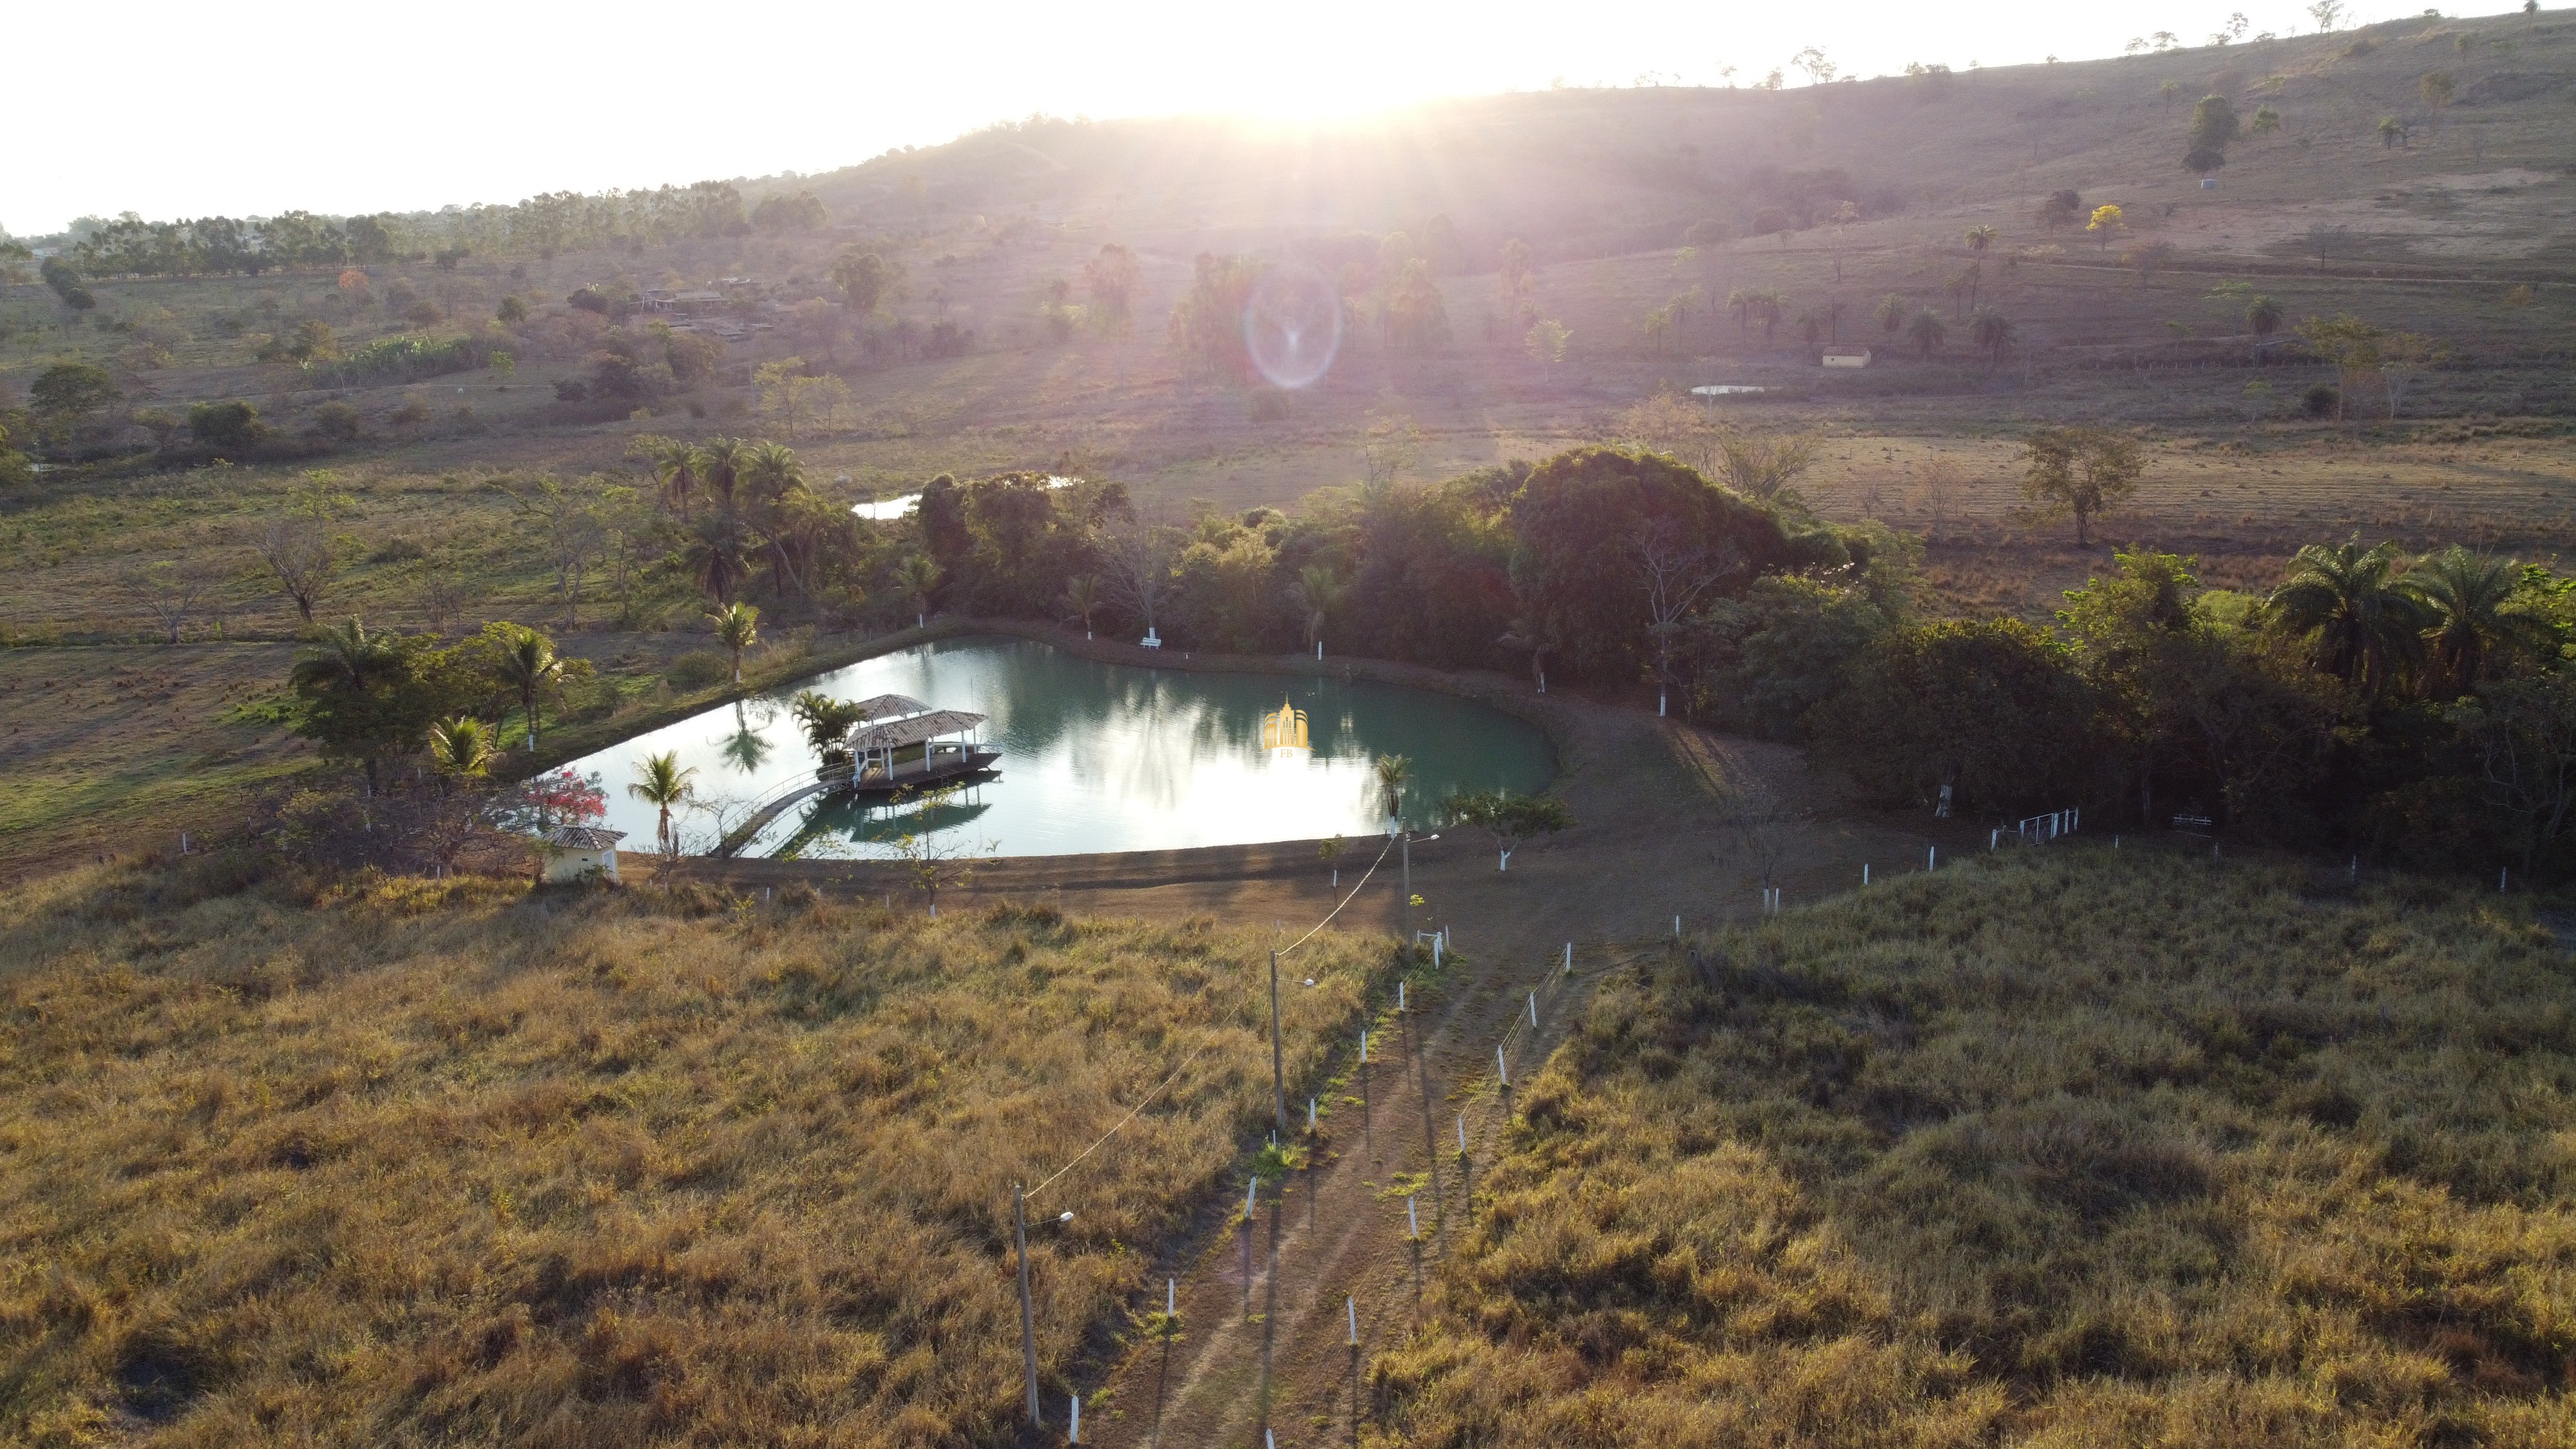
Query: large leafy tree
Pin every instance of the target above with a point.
(2080, 472)
(1433, 582)
(1111, 279)
(367, 694)
(864, 279)
(66, 394)
(2214, 123)
(2346, 601)
(1992, 708)
(1574, 522)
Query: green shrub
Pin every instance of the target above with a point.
(698, 669)
(234, 425)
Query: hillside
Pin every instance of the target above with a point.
(2093, 1148)
(1644, 211)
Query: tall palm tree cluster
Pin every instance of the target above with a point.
(2436, 626)
(743, 508)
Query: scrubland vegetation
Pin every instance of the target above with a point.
(2246, 504)
(2077, 1148)
(376, 1159)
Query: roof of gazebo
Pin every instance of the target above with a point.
(888, 706)
(895, 734)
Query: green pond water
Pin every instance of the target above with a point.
(1095, 757)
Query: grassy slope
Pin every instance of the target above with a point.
(410, 1165)
(2086, 1149)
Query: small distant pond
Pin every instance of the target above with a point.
(1095, 757)
(902, 504)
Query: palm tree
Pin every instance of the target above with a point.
(661, 782)
(827, 723)
(737, 629)
(1890, 314)
(1317, 593)
(770, 470)
(714, 554)
(1394, 772)
(2263, 317)
(1991, 330)
(918, 575)
(719, 467)
(1927, 329)
(347, 662)
(1980, 238)
(347, 659)
(675, 467)
(1769, 304)
(2471, 599)
(526, 662)
(2347, 598)
(1082, 599)
(462, 748)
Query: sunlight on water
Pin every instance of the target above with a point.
(1096, 757)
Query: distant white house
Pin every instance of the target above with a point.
(580, 852)
(1847, 357)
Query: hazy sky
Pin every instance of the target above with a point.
(179, 110)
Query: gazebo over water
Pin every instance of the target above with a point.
(918, 746)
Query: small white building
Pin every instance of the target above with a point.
(1847, 357)
(576, 853)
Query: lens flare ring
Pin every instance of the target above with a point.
(1292, 325)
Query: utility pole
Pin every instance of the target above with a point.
(1278, 1081)
(1028, 1320)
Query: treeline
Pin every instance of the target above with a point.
(2421, 708)
(2417, 708)
(130, 246)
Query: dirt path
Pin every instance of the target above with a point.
(1268, 1305)
(1674, 822)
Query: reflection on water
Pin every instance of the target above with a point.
(1098, 757)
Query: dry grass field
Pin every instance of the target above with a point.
(2092, 1148)
(411, 1163)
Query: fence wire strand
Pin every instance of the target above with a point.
(1193, 1057)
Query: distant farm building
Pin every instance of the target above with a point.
(1847, 357)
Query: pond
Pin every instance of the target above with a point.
(884, 510)
(1095, 757)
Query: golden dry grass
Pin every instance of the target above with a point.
(2092, 1149)
(404, 1163)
